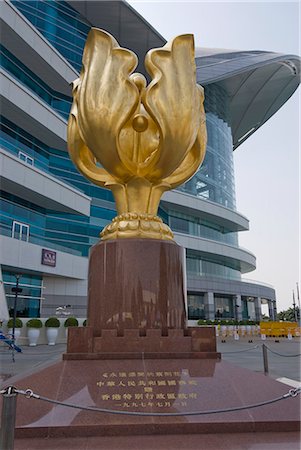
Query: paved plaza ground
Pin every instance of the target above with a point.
(283, 359)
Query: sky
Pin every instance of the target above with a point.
(267, 164)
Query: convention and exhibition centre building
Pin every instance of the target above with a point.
(51, 215)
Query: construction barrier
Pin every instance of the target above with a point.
(279, 329)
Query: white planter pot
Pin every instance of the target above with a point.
(51, 335)
(33, 336)
(17, 333)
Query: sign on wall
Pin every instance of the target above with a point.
(48, 257)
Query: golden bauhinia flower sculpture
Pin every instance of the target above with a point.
(137, 140)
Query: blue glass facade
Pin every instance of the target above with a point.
(201, 266)
(63, 27)
(66, 30)
(214, 180)
(15, 139)
(59, 102)
(195, 226)
(72, 233)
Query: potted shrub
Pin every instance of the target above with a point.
(70, 322)
(52, 324)
(18, 326)
(85, 323)
(33, 333)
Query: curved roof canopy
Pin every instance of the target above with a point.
(258, 83)
(122, 21)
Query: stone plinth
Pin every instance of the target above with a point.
(136, 304)
(152, 343)
(136, 283)
(151, 386)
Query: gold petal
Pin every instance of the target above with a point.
(107, 98)
(172, 100)
(83, 158)
(195, 156)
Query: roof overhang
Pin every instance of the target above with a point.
(257, 84)
(228, 219)
(128, 27)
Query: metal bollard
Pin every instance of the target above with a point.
(8, 419)
(265, 359)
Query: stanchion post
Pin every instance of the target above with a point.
(265, 359)
(8, 419)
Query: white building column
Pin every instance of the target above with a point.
(272, 309)
(275, 309)
(238, 307)
(258, 312)
(3, 304)
(209, 305)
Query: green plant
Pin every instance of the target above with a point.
(34, 323)
(71, 322)
(250, 322)
(85, 323)
(202, 322)
(52, 322)
(18, 324)
(290, 315)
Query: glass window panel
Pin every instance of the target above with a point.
(16, 230)
(224, 308)
(196, 306)
(24, 233)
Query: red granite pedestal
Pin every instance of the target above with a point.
(136, 304)
(136, 283)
